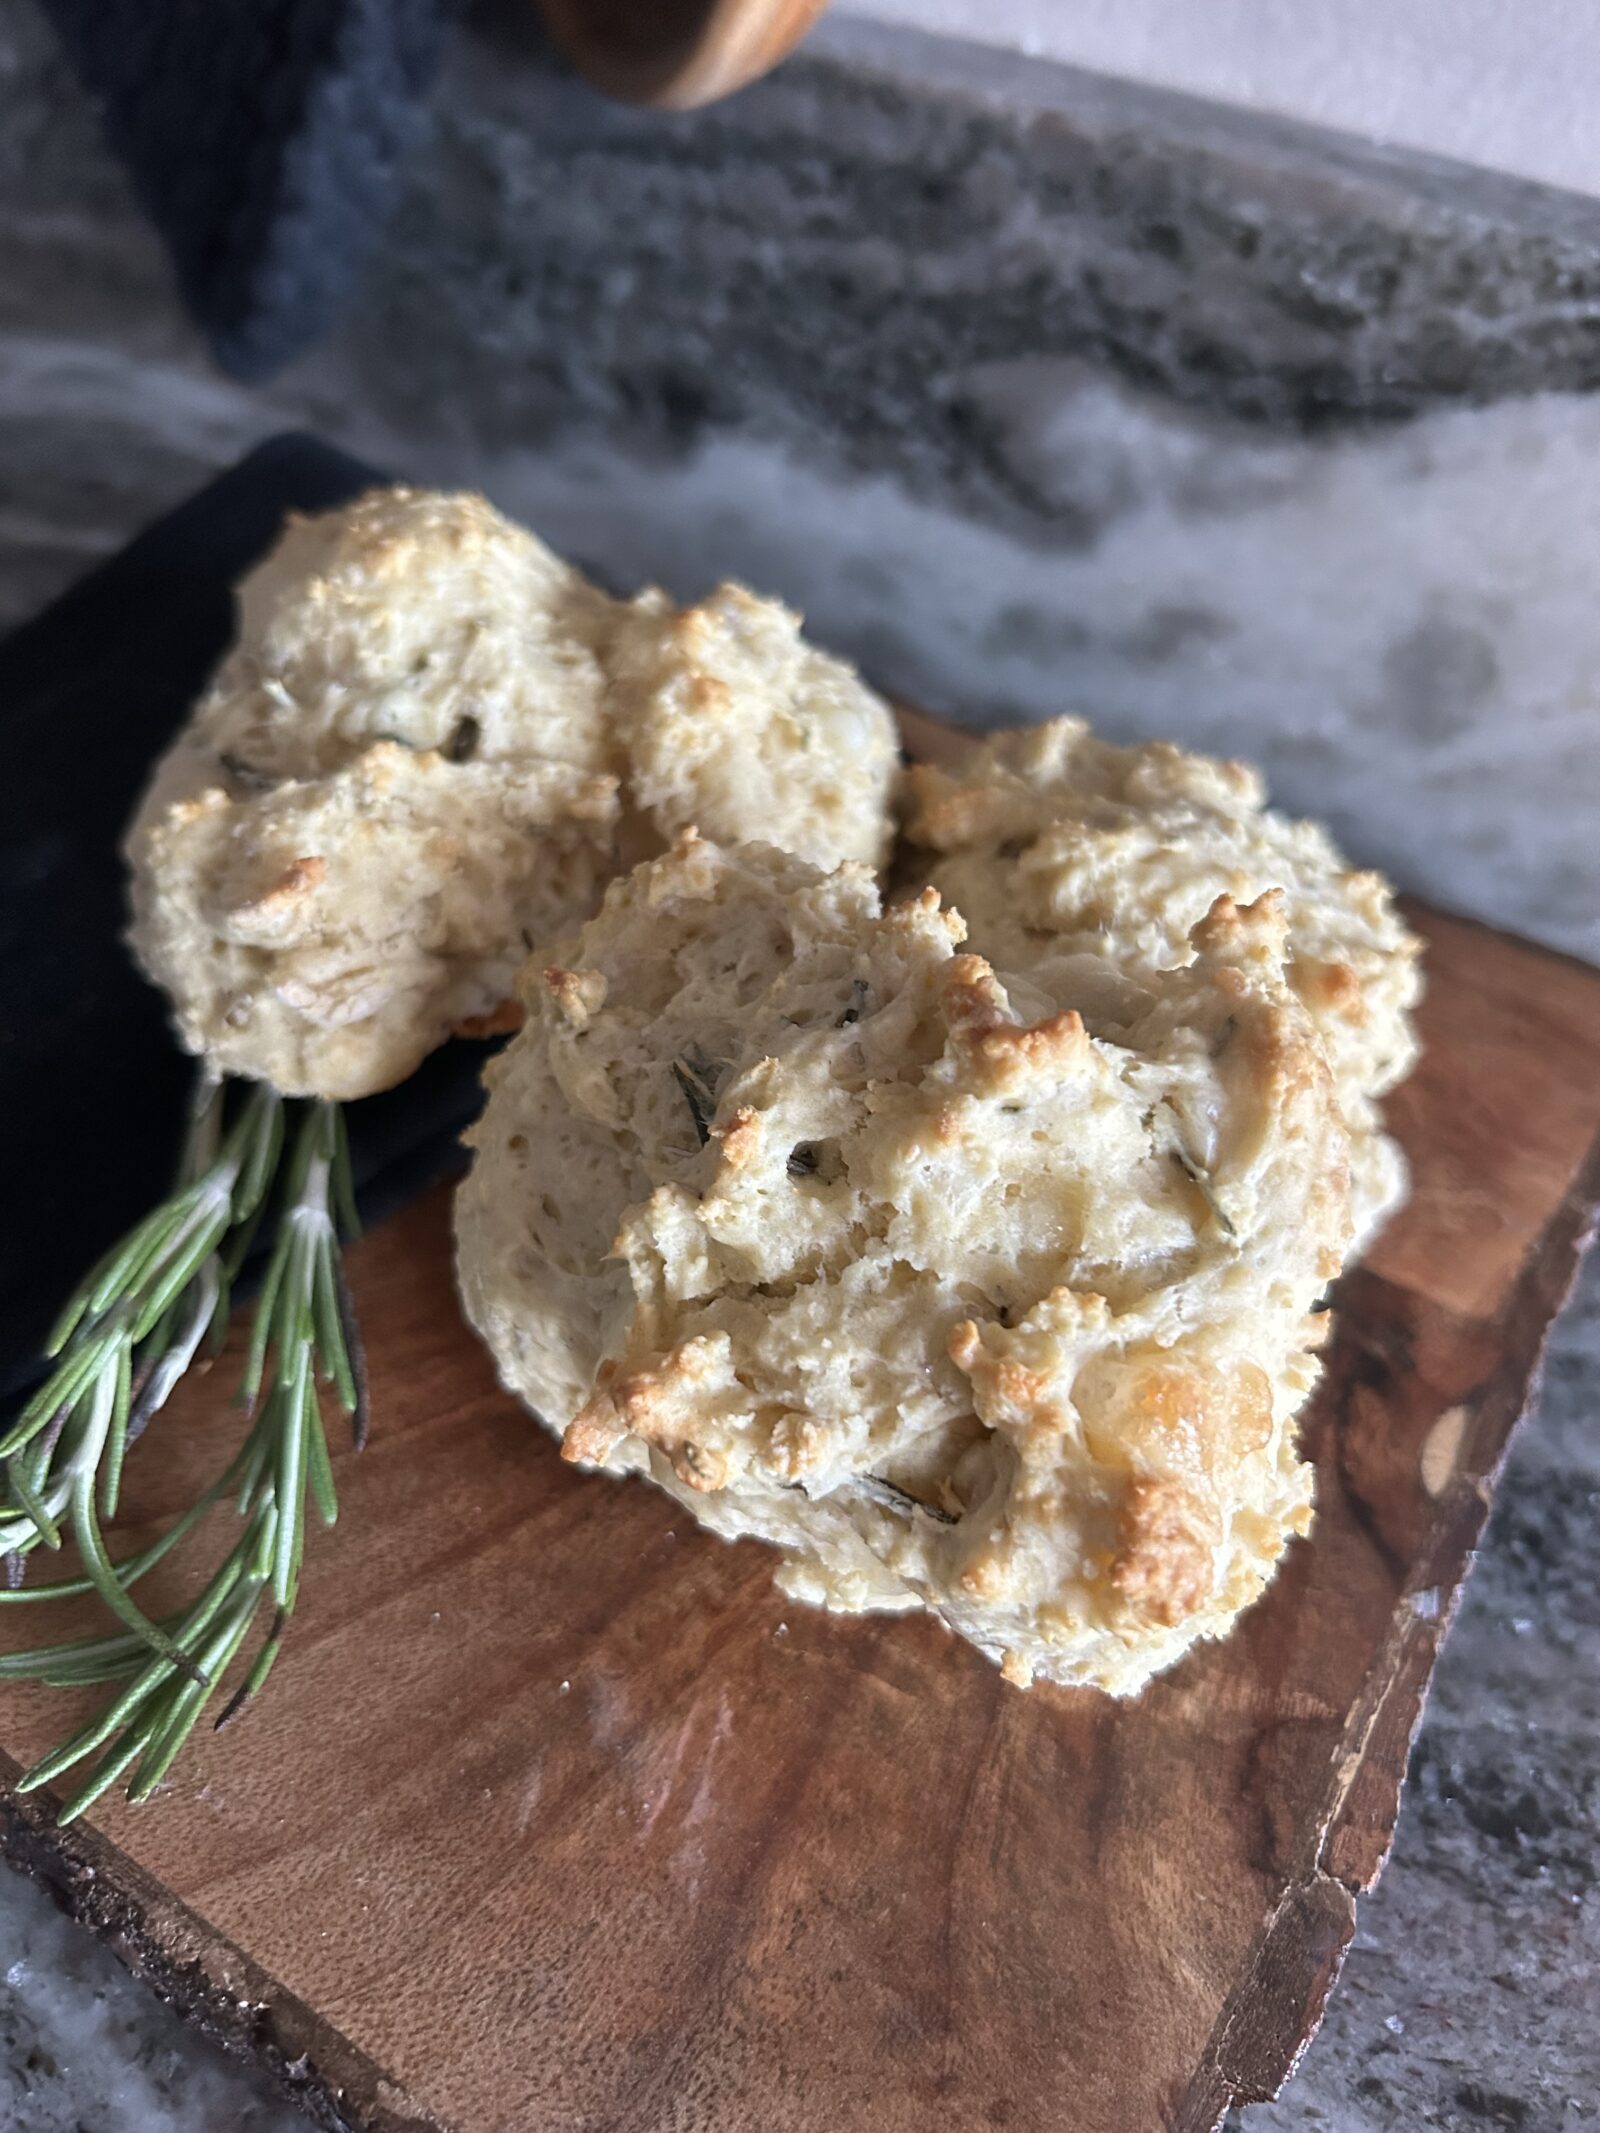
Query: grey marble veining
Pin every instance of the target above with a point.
(86, 2048)
(1035, 395)
(1470, 1999)
(834, 251)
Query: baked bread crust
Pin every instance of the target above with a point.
(961, 1303)
(1063, 849)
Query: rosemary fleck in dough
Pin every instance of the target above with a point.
(418, 762)
(960, 1297)
(1088, 865)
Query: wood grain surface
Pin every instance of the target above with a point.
(558, 1819)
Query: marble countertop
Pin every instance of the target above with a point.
(1301, 465)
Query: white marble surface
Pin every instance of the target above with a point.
(1512, 86)
(85, 2048)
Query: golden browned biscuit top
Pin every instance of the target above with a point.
(959, 1296)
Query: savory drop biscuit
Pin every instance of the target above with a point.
(420, 760)
(958, 1296)
(1094, 862)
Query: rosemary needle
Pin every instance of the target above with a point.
(120, 1347)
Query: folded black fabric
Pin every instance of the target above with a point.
(92, 1084)
(263, 137)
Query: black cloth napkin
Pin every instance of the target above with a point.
(263, 138)
(92, 1085)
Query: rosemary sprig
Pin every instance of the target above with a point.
(138, 1321)
(125, 1339)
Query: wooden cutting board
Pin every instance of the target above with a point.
(558, 1819)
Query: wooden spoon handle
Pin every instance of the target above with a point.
(677, 53)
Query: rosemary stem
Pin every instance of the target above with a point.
(123, 1344)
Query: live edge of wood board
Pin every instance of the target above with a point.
(556, 1818)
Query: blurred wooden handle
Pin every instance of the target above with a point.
(677, 53)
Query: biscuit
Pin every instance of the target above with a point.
(731, 723)
(963, 1304)
(429, 749)
(1063, 850)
